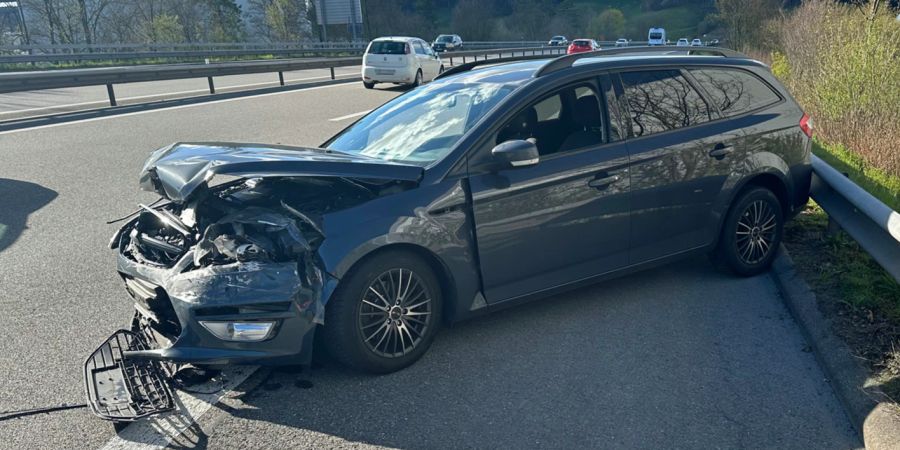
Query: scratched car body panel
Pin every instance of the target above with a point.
(488, 187)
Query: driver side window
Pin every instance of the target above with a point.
(566, 120)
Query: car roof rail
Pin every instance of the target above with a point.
(566, 61)
(465, 67)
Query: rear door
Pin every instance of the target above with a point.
(564, 219)
(680, 159)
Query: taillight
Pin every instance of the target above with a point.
(806, 125)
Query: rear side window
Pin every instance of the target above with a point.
(662, 100)
(735, 91)
(387, 48)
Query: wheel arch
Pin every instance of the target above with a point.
(770, 181)
(773, 180)
(438, 266)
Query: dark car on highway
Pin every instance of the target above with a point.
(447, 42)
(496, 184)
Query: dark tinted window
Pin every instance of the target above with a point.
(734, 91)
(662, 100)
(387, 48)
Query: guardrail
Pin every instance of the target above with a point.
(27, 54)
(55, 79)
(874, 225)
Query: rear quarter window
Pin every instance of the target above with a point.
(735, 91)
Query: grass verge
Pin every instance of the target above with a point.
(854, 292)
(860, 298)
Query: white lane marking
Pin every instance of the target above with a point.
(350, 116)
(194, 91)
(192, 105)
(159, 431)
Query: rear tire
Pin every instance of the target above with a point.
(368, 85)
(418, 81)
(751, 233)
(384, 314)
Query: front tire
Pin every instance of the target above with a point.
(384, 314)
(751, 232)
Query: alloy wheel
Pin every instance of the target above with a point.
(756, 232)
(394, 313)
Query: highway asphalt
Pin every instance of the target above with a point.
(53, 101)
(679, 357)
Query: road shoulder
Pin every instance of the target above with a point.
(868, 408)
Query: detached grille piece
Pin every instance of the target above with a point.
(121, 389)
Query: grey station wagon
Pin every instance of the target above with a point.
(498, 183)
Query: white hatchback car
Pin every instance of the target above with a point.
(683, 42)
(400, 60)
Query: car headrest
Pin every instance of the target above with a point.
(520, 127)
(587, 112)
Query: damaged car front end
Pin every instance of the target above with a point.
(225, 273)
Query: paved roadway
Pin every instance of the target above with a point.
(678, 357)
(52, 101)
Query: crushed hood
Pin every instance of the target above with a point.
(177, 170)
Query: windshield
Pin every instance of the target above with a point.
(581, 43)
(655, 35)
(558, 38)
(445, 38)
(422, 126)
(387, 48)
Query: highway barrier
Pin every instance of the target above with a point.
(74, 53)
(55, 79)
(874, 225)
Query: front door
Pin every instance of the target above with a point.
(563, 219)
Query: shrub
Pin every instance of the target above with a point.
(842, 65)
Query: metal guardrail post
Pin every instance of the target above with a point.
(212, 87)
(281, 78)
(332, 72)
(112, 94)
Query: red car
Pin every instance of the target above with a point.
(583, 45)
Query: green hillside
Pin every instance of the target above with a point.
(482, 20)
(679, 21)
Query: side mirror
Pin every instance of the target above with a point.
(516, 153)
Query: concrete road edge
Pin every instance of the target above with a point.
(876, 419)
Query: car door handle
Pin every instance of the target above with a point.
(600, 183)
(721, 150)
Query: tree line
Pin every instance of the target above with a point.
(166, 21)
(199, 21)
